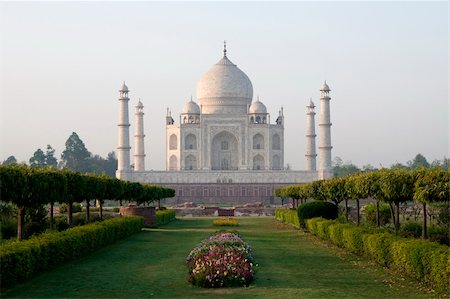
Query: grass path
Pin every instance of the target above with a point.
(151, 265)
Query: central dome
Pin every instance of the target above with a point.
(224, 89)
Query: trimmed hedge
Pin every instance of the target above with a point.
(22, 259)
(318, 208)
(426, 261)
(288, 216)
(164, 216)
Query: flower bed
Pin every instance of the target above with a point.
(226, 222)
(222, 260)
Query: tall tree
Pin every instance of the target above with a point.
(10, 160)
(50, 159)
(76, 155)
(38, 159)
(419, 161)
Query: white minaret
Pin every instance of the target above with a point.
(325, 170)
(310, 161)
(139, 152)
(123, 148)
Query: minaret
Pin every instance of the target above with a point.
(123, 148)
(325, 168)
(139, 152)
(310, 155)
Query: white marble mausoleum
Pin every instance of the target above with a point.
(225, 146)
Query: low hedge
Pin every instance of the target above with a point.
(315, 209)
(288, 216)
(164, 216)
(427, 261)
(22, 259)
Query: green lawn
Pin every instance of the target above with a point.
(292, 264)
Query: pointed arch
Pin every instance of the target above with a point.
(190, 142)
(258, 162)
(173, 142)
(276, 143)
(276, 164)
(190, 163)
(258, 141)
(173, 163)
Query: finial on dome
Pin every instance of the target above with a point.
(257, 98)
(191, 99)
(224, 48)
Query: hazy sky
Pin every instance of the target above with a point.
(62, 64)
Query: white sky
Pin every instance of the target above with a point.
(61, 65)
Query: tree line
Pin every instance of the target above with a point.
(391, 186)
(29, 188)
(419, 161)
(75, 157)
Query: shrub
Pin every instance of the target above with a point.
(376, 247)
(61, 222)
(352, 239)
(225, 221)
(222, 260)
(116, 210)
(8, 228)
(314, 209)
(335, 233)
(311, 224)
(288, 216)
(322, 228)
(164, 216)
(439, 234)
(370, 212)
(22, 259)
(76, 208)
(411, 229)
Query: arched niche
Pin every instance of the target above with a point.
(258, 141)
(224, 151)
(173, 142)
(190, 142)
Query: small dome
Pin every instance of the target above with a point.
(124, 87)
(325, 87)
(139, 104)
(191, 107)
(257, 107)
(311, 104)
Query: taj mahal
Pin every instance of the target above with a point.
(225, 146)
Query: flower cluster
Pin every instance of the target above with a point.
(222, 260)
(225, 222)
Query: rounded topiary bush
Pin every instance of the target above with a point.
(314, 209)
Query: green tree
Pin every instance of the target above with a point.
(38, 159)
(355, 192)
(76, 192)
(50, 159)
(419, 161)
(396, 186)
(335, 191)
(76, 155)
(14, 188)
(431, 186)
(10, 160)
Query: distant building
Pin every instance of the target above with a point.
(225, 148)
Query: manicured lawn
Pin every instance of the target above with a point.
(292, 264)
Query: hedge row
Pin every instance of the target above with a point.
(427, 261)
(164, 216)
(288, 216)
(21, 259)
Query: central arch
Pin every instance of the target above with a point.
(224, 151)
